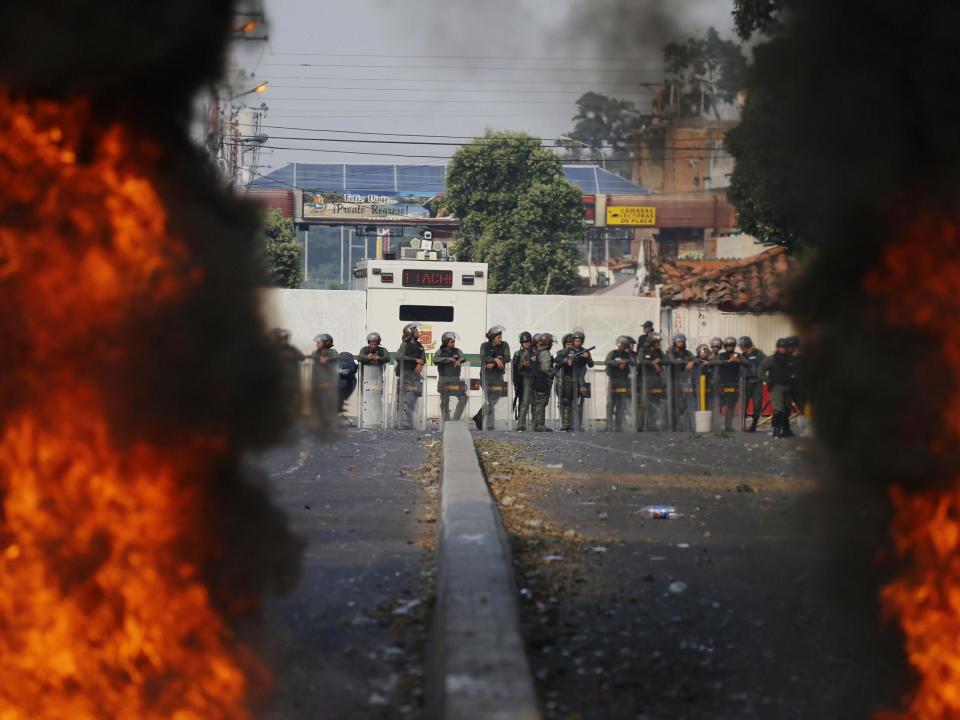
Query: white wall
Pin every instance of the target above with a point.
(735, 247)
(701, 324)
(342, 313)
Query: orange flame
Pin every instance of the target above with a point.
(103, 611)
(917, 285)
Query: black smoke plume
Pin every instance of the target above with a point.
(206, 367)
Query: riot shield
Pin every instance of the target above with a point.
(728, 394)
(322, 394)
(408, 406)
(372, 403)
(453, 394)
(655, 402)
(497, 400)
(584, 414)
(621, 402)
(683, 394)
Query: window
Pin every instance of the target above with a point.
(426, 313)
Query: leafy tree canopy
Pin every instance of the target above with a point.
(281, 251)
(702, 73)
(517, 212)
(752, 16)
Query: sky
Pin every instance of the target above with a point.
(343, 75)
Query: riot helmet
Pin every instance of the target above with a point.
(281, 334)
(373, 338)
(579, 333)
(716, 343)
(494, 331)
(535, 339)
(624, 340)
(449, 335)
(567, 339)
(679, 338)
(746, 342)
(326, 339)
(525, 337)
(730, 342)
(546, 339)
(792, 341)
(630, 341)
(409, 329)
(655, 337)
(781, 343)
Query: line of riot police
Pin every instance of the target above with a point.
(647, 388)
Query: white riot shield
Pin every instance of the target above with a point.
(372, 403)
(497, 400)
(654, 412)
(453, 394)
(407, 406)
(584, 415)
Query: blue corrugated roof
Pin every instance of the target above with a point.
(424, 180)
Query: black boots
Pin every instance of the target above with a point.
(781, 425)
(753, 425)
(478, 419)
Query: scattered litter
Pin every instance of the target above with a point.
(534, 523)
(507, 500)
(683, 545)
(377, 699)
(659, 512)
(554, 466)
(677, 587)
(552, 558)
(494, 464)
(745, 488)
(602, 516)
(569, 533)
(598, 549)
(406, 511)
(656, 558)
(406, 607)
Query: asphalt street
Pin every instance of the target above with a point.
(347, 643)
(732, 610)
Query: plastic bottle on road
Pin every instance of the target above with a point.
(659, 512)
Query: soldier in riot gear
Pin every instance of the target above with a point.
(324, 380)
(652, 383)
(644, 338)
(797, 392)
(752, 359)
(494, 356)
(542, 380)
(726, 365)
(716, 346)
(522, 372)
(410, 361)
(778, 373)
(680, 364)
(582, 361)
(618, 363)
(372, 353)
(449, 359)
(566, 381)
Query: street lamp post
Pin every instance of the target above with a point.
(603, 159)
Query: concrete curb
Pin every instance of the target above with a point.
(477, 669)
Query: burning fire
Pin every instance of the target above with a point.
(104, 612)
(918, 285)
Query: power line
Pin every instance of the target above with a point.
(467, 81)
(643, 88)
(471, 68)
(423, 100)
(472, 57)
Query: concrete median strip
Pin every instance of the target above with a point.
(478, 668)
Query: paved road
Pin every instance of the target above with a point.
(334, 643)
(729, 612)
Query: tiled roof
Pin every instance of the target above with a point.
(754, 284)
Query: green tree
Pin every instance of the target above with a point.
(281, 251)
(702, 73)
(517, 213)
(607, 124)
(752, 16)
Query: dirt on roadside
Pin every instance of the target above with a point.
(720, 613)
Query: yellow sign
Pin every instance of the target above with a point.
(631, 215)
